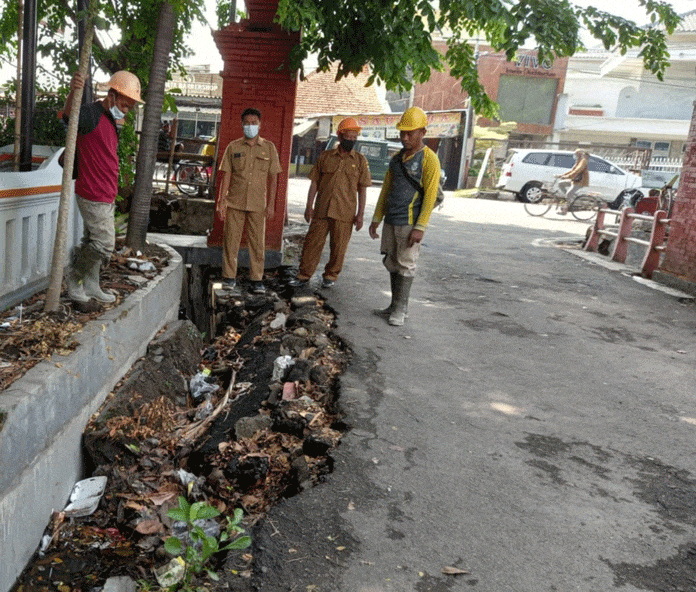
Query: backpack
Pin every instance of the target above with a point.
(440, 196)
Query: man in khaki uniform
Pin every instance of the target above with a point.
(339, 178)
(249, 169)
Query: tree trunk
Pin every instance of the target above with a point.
(66, 192)
(147, 152)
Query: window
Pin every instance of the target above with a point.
(527, 100)
(598, 165)
(564, 161)
(371, 151)
(643, 144)
(540, 158)
(661, 147)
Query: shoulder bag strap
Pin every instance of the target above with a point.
(416, 185)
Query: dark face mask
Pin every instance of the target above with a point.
(347, 145)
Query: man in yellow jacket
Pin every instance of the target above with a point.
(405, 203)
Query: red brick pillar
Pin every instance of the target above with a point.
(254, 51)
(680, 254)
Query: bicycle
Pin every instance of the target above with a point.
(190, 177)
(583, 206)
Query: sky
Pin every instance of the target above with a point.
(205, 51)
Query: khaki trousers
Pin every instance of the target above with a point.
(398, 256)
(256, 240)
(340, 232)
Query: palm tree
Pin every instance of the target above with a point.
(147, 152)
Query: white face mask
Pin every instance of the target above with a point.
(251, 130)
(116, 113)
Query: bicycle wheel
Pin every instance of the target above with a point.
(584, 207)
(539, 207)
(186, 179)
(202, 179)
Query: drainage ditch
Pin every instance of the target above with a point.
(266, 432)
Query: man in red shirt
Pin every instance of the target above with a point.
(96, 186)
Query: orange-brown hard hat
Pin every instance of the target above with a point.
(348, 125)
(127, 84)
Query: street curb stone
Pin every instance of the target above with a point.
(48, 408)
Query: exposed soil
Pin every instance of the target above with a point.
(154, 444)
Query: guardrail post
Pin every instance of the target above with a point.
(593, 242)
(620, 245)
(657, 239)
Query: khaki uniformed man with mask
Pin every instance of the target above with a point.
(249, 169)
(339, 181)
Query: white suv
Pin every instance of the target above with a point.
(526, 170)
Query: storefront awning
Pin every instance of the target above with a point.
(301, 128)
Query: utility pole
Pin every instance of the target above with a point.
(28, 85)
(466, 133)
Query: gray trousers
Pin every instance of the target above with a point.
(100, 232)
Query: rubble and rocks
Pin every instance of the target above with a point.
(255, 448)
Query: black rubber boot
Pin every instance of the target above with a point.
(385, 312)
(403, 290)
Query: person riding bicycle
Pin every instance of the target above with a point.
(577, 177)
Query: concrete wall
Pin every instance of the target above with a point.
(47, 409)
(28, 216)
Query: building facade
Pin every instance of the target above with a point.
(611, 98)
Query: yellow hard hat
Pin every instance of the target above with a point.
(127, 84)
(412, 119)
(348, 125)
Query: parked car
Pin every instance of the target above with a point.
(377, 152)
(525, 170)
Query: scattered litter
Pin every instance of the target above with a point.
(204, 410)
(200, 387)
(453, 571)
(140, 265)
(171, 573)
(281, 364)
(279, 321)
(85, 497)
(289, 391)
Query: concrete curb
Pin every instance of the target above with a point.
(47, 410)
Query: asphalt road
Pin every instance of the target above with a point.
(532, 423)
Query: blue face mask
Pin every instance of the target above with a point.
(116, 113)
(251, 130)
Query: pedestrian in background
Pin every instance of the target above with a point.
(405, 203)
(339, 181)
(249, 169)
(96, 184)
